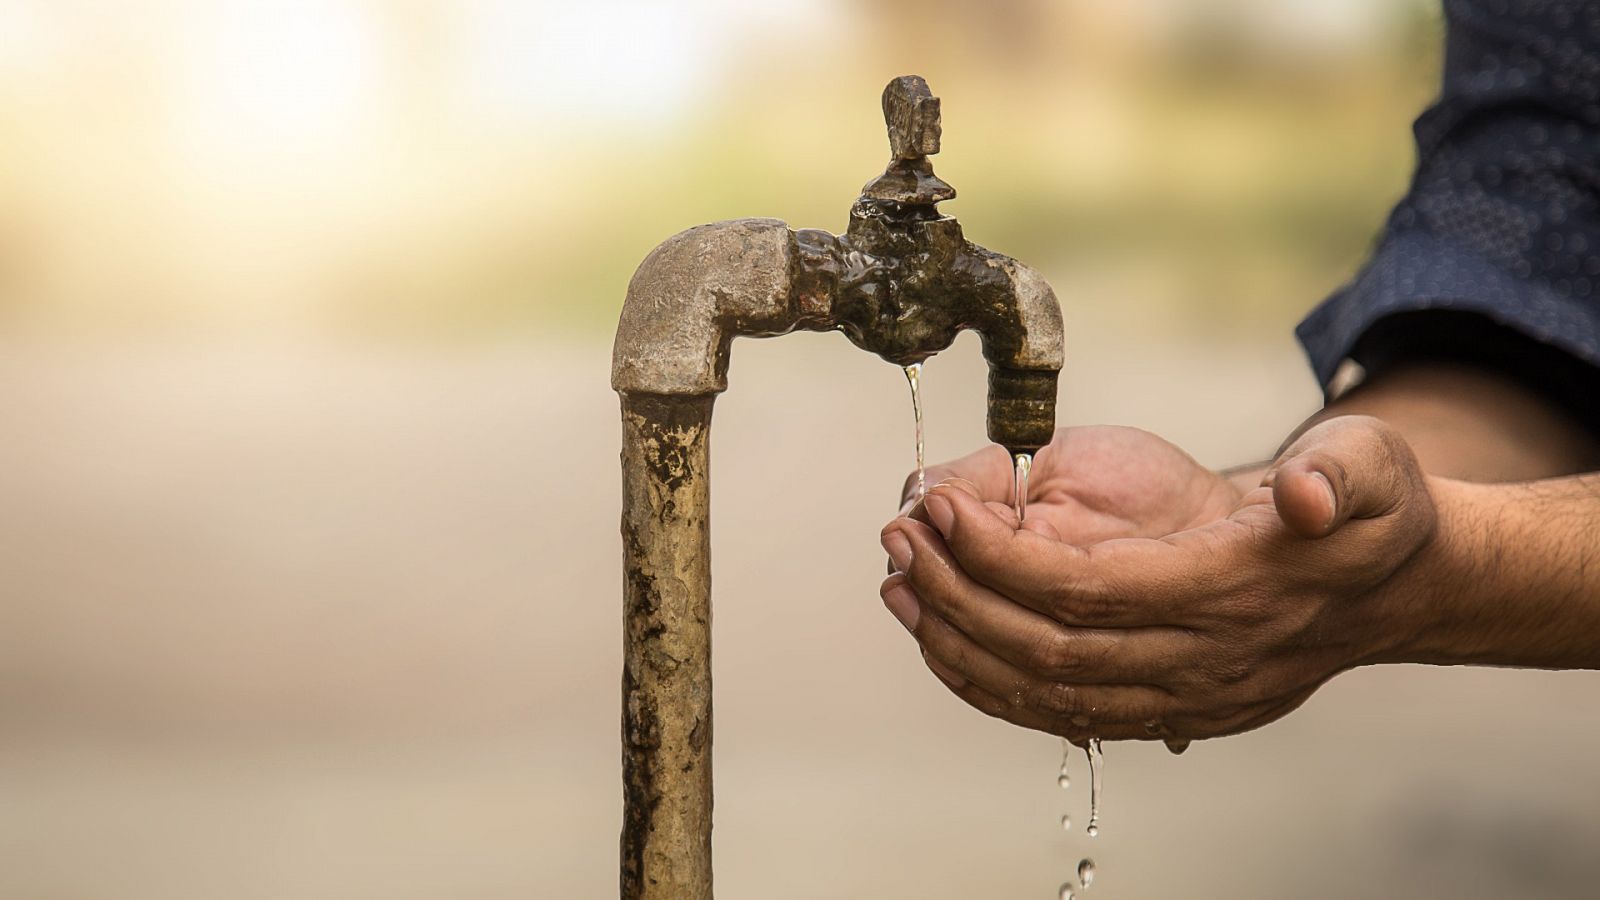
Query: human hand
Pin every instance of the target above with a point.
(1094, 483)
(1209, 631)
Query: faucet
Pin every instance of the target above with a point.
(901, 282)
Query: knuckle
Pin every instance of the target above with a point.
(954, 656)
(930, 579)
(1093, 601)
(1054, 655)
(1058, 700)
(1231, 672)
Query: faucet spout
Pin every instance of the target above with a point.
(901, 282)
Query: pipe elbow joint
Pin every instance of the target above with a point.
(692, 294)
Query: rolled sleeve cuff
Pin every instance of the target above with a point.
(1413, 271)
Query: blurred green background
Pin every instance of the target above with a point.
(415, 169)
(309, 562)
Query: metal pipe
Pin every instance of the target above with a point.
(666, 664)
(902, 282)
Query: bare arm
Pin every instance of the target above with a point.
(1426, 518)
(1512, 576)
(1471, 424)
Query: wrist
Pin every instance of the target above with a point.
(1424, 602)
(1474, 424)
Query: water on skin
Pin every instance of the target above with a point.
(914, 378)
(1024, 466)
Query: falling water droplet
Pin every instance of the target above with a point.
(1066, 892)
(1096, 765)
(1024, 466)
(1064, 780)
(914, 378)
(1086, 873)
(1066, 823)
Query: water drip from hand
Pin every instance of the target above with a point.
(1096, 767)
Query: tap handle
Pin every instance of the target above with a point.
(912, 113)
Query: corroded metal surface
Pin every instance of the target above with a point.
(666, 675)
(692, 294)
(901, 282)
(911, 112)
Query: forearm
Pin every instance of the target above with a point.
(1510, 578)
(1512, 575)
(1463, 423)
(1472, 424)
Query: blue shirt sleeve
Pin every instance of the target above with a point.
(1494, 253)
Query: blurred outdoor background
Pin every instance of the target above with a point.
(309, 563)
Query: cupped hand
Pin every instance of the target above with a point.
(1212, 630)
(1093, 483)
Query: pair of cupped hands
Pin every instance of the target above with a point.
(1147, 597)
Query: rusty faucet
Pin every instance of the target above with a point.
(901, 282)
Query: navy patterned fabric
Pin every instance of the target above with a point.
(1493, 255)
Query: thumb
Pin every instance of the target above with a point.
(1347, 467)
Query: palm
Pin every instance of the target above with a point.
(1095, 483)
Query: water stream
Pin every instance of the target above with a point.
(1019, 484)
(1022, 468)
(914, 378)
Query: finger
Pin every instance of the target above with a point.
(1343, 468)
(1005, 512)
(1033, 702)
(1260, 715)
(895, 545)
(989, 470)
(1002, 511)
(991, 705)
(1122, 583)
(1029, 640)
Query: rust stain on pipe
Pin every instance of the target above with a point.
(901, 282)
(666, 675)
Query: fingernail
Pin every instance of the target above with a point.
(903, 603)
(899, 550)
(945, 673)
(942, 514)
(1333, 502)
